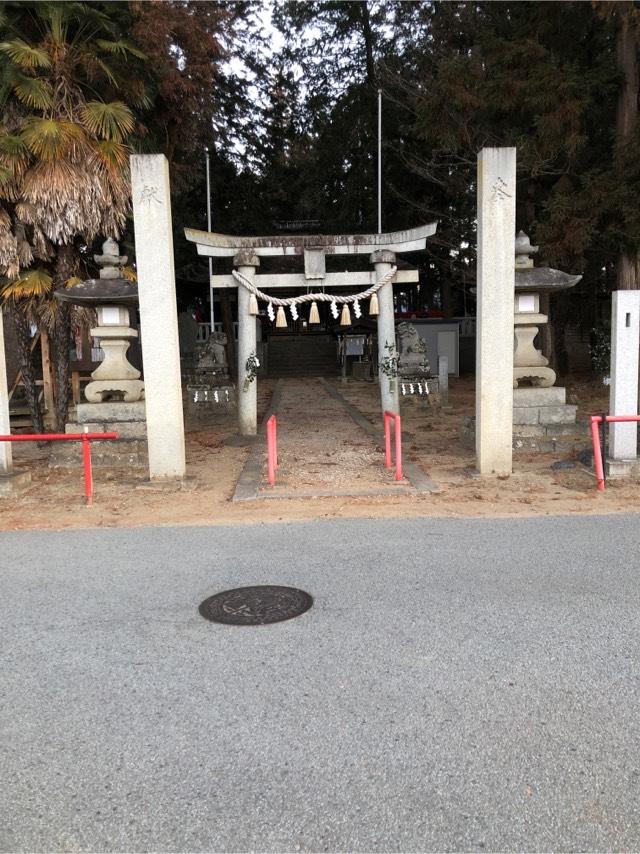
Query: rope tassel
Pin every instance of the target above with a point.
(253, 304)
(281, 319)
(373, 305)
(314, 315)
(345, 317)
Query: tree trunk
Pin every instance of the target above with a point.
(626, 117)
(23, 340)
(66, 262)
(227, 328)
(367, 34)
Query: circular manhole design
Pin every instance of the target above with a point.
(256, 606)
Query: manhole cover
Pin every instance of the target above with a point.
(256, 606)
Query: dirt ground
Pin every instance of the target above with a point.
(321, 448)
(54, 500)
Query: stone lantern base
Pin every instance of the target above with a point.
(542, 421)
(128, 420)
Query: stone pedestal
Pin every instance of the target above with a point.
(542, 406)
(128, 420)
(204, 401)
(544, 421)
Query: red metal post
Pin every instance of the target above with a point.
(397, 426)
(597, 452)
(387, 439)
(398, 437)
(88, 473)
(272, 450)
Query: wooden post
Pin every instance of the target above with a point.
(47, 384)
(6, 459)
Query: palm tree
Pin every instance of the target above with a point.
(28, 301)
(63, 151)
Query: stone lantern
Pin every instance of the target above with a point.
(115, 394)
(540, 410)
(111, 295)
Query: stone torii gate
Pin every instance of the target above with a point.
(246, 253)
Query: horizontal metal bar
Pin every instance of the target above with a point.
(57, 437)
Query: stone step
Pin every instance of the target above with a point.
(555, 430)
(561, 414)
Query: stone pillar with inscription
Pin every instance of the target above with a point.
(496, 282)
(158, 315)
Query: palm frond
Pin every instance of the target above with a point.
(29, 284)
(34, 92)
(51, 138)
(57, 16)
(112, 121)
(111, 153)
(92, 60)
(7, 182)
(25, 55)
(13, 150)
(121, 47)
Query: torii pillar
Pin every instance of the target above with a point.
(246, 262)
(383, 261)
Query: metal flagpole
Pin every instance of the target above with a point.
(379, 161)
(209, 229)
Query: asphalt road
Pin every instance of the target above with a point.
(458, 685)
